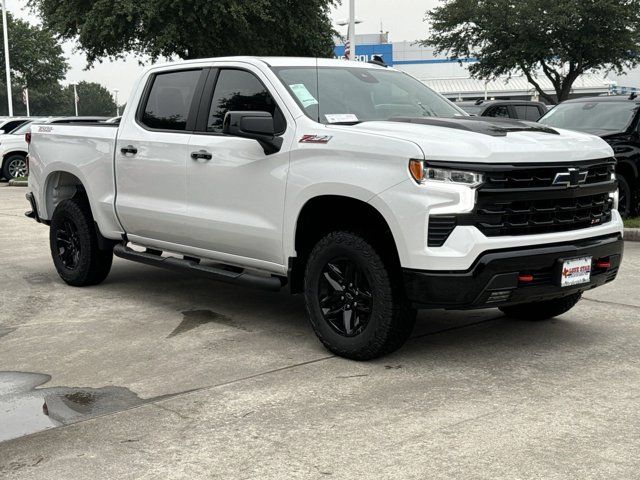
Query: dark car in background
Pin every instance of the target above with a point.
(615, 120)
(520, 109)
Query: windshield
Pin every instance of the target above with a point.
(591, 116)
(22, 129)
(350, 95)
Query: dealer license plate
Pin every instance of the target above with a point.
(576, 271)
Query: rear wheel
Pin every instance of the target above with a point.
(75, 247)
(15, 166)
(542, 310)
(355, 307)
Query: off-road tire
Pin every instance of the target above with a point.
(626, 204)
(92, 264)
(542, 310)
(391, 320)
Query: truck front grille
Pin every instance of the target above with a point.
(543, 176)
(533, 199)
(514, 216)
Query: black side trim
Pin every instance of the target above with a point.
(189, 266)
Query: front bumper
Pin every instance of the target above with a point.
(493, 280)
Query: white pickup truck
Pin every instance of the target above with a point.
(351, 183)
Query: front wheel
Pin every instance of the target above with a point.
(542, 310)
(355, 308)
(625, 197)
(75, 247)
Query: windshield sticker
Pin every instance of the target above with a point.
(341, 117)
(304, 95)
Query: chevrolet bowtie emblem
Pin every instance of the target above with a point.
(571, 178)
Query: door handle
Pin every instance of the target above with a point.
(129, 149)
(201, 154)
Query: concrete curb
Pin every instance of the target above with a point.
(18, 183)
(632, 234)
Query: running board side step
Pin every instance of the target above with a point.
(189, 266)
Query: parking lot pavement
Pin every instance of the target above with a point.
(174, 377)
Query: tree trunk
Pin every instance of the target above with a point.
(542, 93)
(567, 84)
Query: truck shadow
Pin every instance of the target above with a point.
(201, 301)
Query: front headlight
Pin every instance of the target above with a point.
(423, 173)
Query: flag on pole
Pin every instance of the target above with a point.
(25, 99)
(347, 46)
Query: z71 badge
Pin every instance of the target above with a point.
(316, 138)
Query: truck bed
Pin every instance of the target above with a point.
(84, 150)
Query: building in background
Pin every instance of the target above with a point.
(452, 79)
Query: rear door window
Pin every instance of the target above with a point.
(170, 99)
(527, 112)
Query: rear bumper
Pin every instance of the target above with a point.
(33, 213)
(493, 279)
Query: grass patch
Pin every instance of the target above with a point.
(632, 222)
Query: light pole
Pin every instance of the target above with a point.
(75, 96)
(5, 33)
(352, 29)
(115, 90)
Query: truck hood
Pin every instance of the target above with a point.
(518, 142)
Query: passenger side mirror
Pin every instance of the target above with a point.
(255, 125)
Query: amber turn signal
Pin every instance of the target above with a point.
(416, 167)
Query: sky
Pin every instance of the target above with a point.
(403, 19)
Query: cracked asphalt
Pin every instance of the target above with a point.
(218, 381)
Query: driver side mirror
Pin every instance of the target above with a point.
(255, 125)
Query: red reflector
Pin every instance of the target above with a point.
(603, 264)
(27, 137)
(525, 278)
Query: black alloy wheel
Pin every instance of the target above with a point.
(355, 300)
(67, 244)
(75, 248)
(344, 294)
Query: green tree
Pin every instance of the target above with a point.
(37, 61)
(36, 56)
(191, 28)
(93, 99)
(563, 38)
